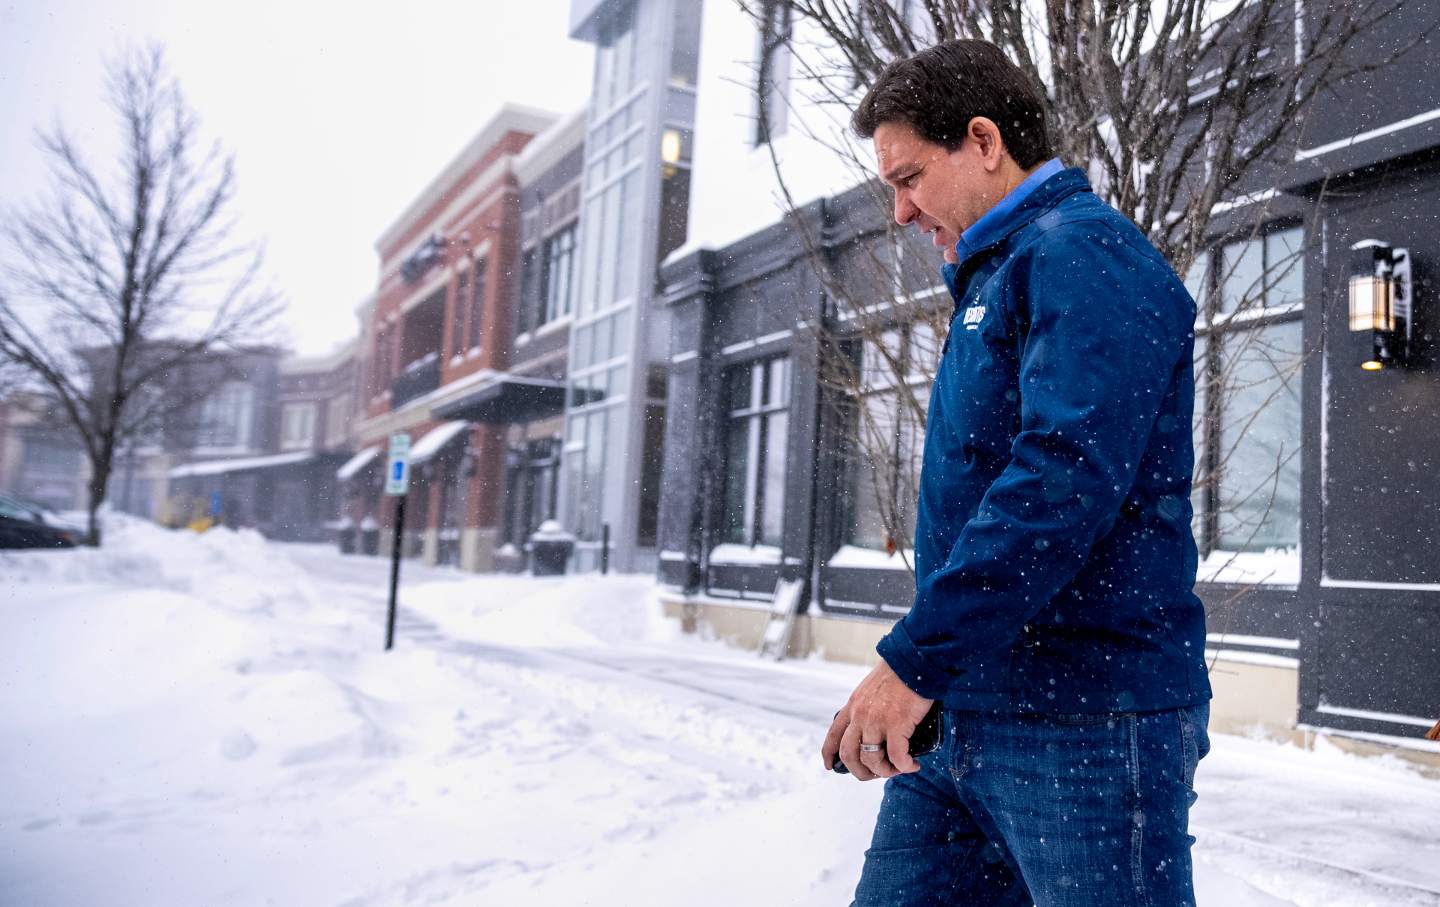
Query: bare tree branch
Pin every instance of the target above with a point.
(1172, 106)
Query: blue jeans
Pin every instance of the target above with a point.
(1055, 811)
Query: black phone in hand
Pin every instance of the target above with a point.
(925, 739)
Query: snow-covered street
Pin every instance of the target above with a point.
(210, 720)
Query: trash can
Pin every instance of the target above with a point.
(345, 535)
(550, 549)
(369, 536)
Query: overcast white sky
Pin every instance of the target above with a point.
(338, 114)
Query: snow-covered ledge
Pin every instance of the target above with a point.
(1271, 567)
(855, 557)
(745, 554)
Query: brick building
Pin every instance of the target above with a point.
(438, 329)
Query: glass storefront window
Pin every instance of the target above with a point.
(685, 49)
(559, 274)
(1259, 438)
(1246, 493)
(756, 432)
(887, 438)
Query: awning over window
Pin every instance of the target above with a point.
(509, 400)
(243, 464)
(356, 463)
(436, 440)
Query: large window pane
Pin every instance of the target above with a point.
(685, 49)
(1241, 268)
(772, 521)
(559, 270)
(756, 433)
(777, 382)
(477, 305)
(889, 447)
(648, 523)
(457, 314)
(737, 388)
(590, 257)
(1198, 494)
(1259, 438)
(609, 247)
(628, 232)
(739, 513)
(594, 477)
(227, 415)
(772, 91)
(887, 440)
(1284, 267)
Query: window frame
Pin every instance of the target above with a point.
(868, 386)
(561, 263)
(476, 302)
(757, 418)
(772, 72)
(292, 411)
(232, 407)
(459, 314)
(1213, 324)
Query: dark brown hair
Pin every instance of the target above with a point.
(938, 91)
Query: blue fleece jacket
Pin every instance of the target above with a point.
(1054, 557)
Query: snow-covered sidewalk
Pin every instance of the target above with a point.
(210, 720)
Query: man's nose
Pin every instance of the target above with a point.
(905, 210)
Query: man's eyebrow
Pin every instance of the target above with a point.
(893, 173)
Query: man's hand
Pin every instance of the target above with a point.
(882, 710)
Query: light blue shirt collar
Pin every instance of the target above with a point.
(973, 236)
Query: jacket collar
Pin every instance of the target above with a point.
(1004, 219)
(975, 235)
(992, 232)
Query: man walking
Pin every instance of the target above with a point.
(1054, 616)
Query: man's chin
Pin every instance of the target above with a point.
(945, 241)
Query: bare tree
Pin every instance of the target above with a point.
(127, 276)
(1172, 106)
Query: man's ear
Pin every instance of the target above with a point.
(986, 136)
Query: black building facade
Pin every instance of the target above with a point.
(1327, 577)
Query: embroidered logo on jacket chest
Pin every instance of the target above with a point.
(972, 316)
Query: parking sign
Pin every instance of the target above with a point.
(397, 471)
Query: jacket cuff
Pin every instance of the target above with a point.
(918, 672)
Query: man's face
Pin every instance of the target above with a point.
(941, 192)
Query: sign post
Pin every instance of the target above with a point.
(397, 482)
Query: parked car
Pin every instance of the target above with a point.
(23, 525)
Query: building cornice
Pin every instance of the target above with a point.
(510, 118)
(550, 147)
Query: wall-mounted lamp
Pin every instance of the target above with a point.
(670, 147)
(1380, 302)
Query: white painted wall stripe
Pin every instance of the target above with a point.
(1409, 743)
(1239, 656)
(1392, 717)
(1305, 154)
(1238, 639)
(1329, 583)
(771, 338)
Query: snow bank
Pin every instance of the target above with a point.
(211, 720)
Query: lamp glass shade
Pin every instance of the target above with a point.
(1370, 304)
(670, 146)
